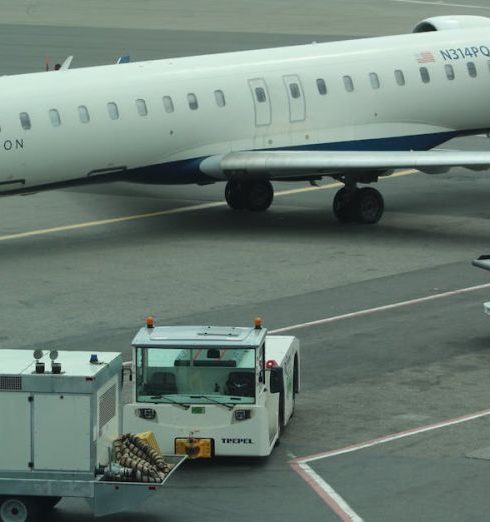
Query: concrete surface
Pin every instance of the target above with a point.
(91, 286)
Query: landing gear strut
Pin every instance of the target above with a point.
(255, 195)
(363, 205)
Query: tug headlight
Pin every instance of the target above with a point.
(241, 415)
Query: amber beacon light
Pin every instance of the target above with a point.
(150, 322)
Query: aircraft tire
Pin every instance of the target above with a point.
(369, 205)
(258, 195)
(343, 205)
(235, 195)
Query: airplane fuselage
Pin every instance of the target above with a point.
(156, 121)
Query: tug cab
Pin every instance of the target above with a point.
(206, 391)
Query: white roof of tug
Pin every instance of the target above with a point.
(199, 336)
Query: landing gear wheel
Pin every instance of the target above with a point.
(235, 195)
(258, 195)
(369, 205)
(343, 205)
(17, 509)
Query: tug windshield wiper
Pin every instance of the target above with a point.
(227, 406)
(181, 404)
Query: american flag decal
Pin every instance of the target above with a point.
(425, 57)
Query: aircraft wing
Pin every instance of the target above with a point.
(295, 164)
(482, 262)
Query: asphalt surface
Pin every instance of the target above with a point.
(73, 276)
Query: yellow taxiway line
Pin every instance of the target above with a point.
(170, 212)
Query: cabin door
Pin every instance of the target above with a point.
(263, 111)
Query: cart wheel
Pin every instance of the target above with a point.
(18, 509)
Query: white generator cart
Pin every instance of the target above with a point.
(59, 418)
(209, 391)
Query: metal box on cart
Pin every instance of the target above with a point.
(57, 428)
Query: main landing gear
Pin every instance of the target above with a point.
(350, 205)
(255, 194)
(361, 205)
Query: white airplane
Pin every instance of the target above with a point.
(353, 110)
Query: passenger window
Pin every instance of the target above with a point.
(168, 104)
(25, 120)
(399, 77)
(141, 107)
(424, 74)
(471, 69)
(113, 111)
(449, 71)
(374, 79)
(54, 116)
(83, 114)
(348, 83)
(192, 100)
(294, 90)
(321, 86)
(260, 94)
(220, 98)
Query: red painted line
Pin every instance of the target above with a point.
(320, 491)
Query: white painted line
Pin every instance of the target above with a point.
(395, 436)
(173, 211)
(300, 464)
(383, 308)
(442, 4)
(329, 495)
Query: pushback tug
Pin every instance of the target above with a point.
(208, 391)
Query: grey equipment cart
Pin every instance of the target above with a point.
(60, 414)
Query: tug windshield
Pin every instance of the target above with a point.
(197, 375)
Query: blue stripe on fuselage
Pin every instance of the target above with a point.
(187, 171)
(419, 142)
